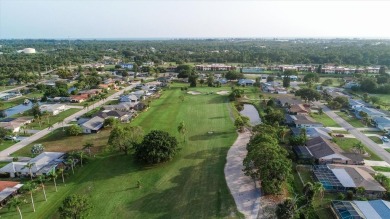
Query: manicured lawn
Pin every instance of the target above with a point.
(190, 186)
(2, 88)
(387, 149)
(6, 144)
(53, 119)
(351, 120)
(324, 119)
(347, 144)
(376, 139)
(382, 169)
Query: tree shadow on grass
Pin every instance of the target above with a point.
(198, 191)
(207, 136)
(217, 100)
(217, 117)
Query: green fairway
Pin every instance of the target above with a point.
(190, 186)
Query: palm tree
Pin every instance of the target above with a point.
(71, 162)
(182, 130)
(15, 202)
(30, 186)
(81, 154)
(42, 179)
(283, 132)
(29, 166)
(61, 171)
(54, 176)
(319, 189)
(359, 147)
(88, 146)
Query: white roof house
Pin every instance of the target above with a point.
(129, 98)
(43, 164)
(383, 123)
(52, 108)
(93, 125)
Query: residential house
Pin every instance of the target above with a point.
(298, 109)
(301, 121)
(129, 98)
(371, 112)
(52, 109)
(313, 132)
(91, 92)
(353, 104)
(246, 82)
(44, 163)
(15, 124)
(342, 178)
(324, 152)
(373, 209)
(382, 123)
(7, 190)
(285, 101)
(126, 65)
(120, 115)
(124, 106)
(93, 125)
(79, 98)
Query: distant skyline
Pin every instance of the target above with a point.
(104, 19)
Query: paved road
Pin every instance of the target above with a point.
(5, 153)
(15, 88)
(355, 132)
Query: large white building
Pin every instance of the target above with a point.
(27, 51)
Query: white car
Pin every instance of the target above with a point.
(385, 139)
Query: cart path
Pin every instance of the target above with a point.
(242, 187)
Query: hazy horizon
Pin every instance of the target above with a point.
(129, 20)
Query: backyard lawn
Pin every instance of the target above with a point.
(347, 144)
(190, 186)
(351, 120)
(324, 119)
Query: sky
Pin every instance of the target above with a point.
(80, 19)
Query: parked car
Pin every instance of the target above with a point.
(13, 138)
(339, 135)
(385, 139)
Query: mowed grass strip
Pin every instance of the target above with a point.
(190, 186)
(352, 120)
(324, 119)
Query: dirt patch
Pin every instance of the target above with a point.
(223, 92)
(194, 92)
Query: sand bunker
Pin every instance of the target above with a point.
(194, 92)
(223, 92)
